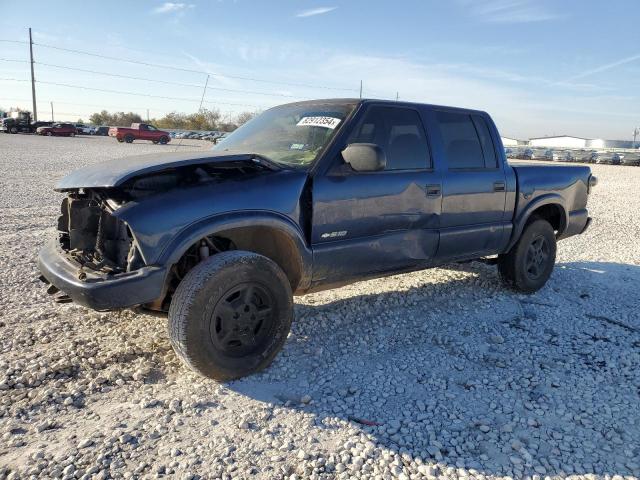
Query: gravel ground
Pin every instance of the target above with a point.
(437, 374)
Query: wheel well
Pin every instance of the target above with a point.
(552, 213)
(269, 242)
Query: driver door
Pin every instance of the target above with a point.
(372, 223)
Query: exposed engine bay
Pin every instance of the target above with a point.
(100, 242)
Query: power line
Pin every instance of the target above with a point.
(13, 60)
(252, 92)
(190, 70)
(141, 94)
(14, 41)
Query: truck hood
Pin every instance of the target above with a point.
(114, 173)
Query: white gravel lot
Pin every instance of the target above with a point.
(456, 377)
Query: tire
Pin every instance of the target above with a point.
(14, 130)
(155, 142)
(528, 265)
(163, 140)
(120, 140)
(72, 134)
(215, 322)
(49, 134)
(129, 139)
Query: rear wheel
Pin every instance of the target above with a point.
(129, 139)
(155, 142)
(528, 265)
(14, 130)
(49, 134)
(72, 134)
(230, 315)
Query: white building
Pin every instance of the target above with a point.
(509, 142)
(560, 141)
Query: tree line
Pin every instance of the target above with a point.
(203, 120)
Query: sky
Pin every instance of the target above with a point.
(539, 67)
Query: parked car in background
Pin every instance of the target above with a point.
(20, 122)
(617, 157)
(58, 129)
(631, 159)
(101, 131)
(555, 155)
(140, 131)
(604, 158)
(82, 129)
(587, 156)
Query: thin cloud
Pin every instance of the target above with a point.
(170, 7)
(315, 11)
(608, 66)
(508, 11)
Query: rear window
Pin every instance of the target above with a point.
(461, 141)
(488, 150)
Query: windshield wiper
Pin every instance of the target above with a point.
(265, 161)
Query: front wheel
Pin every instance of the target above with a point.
(164, 140)
(230, 315)
(528, 265)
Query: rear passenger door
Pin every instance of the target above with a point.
(474, 186)
(367, 223)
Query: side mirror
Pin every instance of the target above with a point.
(364, 157)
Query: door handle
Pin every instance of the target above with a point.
(499, 187)
(433, 190)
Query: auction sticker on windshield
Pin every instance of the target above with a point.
(325, 122)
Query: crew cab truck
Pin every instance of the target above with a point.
(306, 196)
(140, 131)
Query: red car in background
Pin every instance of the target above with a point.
(140, 131)
(62, 129)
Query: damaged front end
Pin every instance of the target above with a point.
(92, 236)
(94, 261)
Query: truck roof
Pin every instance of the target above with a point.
(389, 102)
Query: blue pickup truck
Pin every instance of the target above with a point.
(306, 196)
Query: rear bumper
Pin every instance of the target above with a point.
(577, 222)
(100, 292)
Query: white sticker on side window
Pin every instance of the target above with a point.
(325, 122)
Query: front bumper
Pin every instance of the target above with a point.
(97, 291)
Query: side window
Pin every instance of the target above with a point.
(151, 128)
(399, 132)
(490, 159)
(460, 139)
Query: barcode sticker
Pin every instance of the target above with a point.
(325, 122)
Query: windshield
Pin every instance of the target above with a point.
(289, 135)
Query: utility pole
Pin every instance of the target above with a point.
(636, 132)
(147, 115)
(397, 96)
(360, 88)
(33, 79)
(51, 111)
(204, 91)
